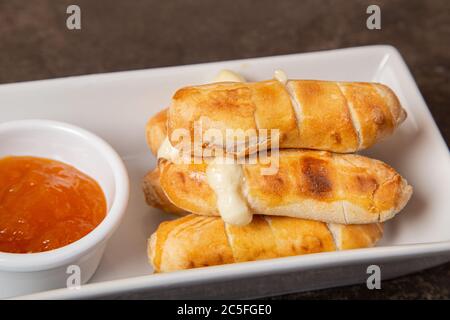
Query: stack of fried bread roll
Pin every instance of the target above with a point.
(319, 198)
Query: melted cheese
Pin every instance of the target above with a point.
(228, 75)
(281, 76)
(225, 180)
(167, 151)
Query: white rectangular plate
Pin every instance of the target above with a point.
(116, 106)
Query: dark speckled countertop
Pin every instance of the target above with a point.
(125, 35)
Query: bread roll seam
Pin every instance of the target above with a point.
(229, 239)
(334, 236)
(269, 223)
(353, 117)
(296, 106)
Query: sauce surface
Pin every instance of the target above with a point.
(45, 204)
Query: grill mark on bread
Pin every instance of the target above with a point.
(309, 244)
(317, 176)
(185, 180)
(192, 227)
(189, 227)
(369, 184)
(271, 237)
(365, 183)
(182, 228)
(232, 100)
(338, 188)
(274, 183)
(337, 137)
(164, 235)
(254, 236)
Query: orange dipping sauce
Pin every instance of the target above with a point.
(45, 204)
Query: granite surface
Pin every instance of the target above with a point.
(124, 35)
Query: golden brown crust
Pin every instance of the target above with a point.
(317, 185)
(186, 187)
(370, 110)
(190, 242)
(158, 240)
(255, 241)
(360, 176)
(274, 110)
(156, 130)
(155, 196)
(324, 115)
(240, 106)
(299, 236)
(226, 105)
(195, 241)
(398, 113)
(326, 123)
(355, 236)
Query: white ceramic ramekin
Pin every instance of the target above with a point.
(27, 273)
